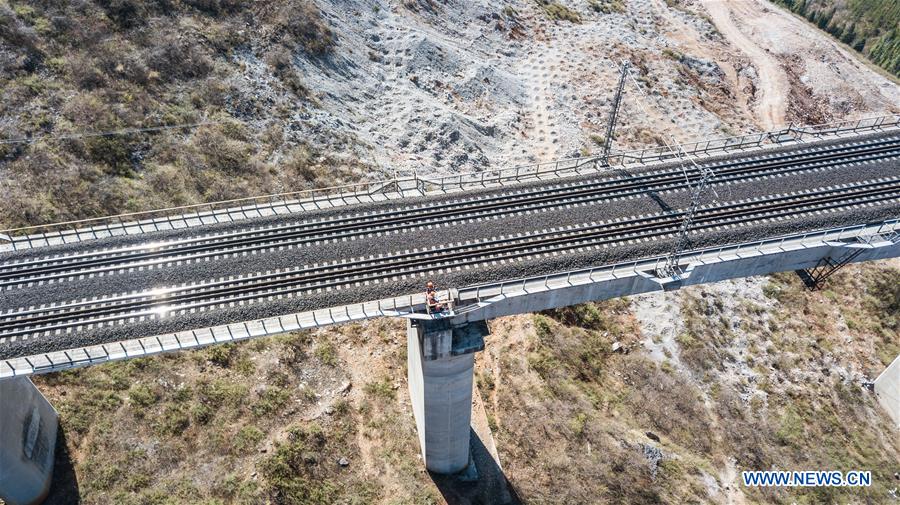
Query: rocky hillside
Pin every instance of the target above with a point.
(282, 95)
(755, 374)
(292, 93)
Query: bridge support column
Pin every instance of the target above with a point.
(28, 425)
(441, 360)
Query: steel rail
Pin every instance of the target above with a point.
(748, 204)
(44, 269)
(843, 149)
(65, 232)
(493, 250)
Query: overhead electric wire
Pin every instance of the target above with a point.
(303, 232)
(175, 299)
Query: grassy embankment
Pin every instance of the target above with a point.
(266, 421)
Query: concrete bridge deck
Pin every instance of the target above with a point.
(505, 249)
(122, 288)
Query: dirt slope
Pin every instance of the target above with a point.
(744, 375)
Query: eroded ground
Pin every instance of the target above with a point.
(715, 379)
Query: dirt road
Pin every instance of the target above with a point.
(773, 88)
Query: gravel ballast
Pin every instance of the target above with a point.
(423, 238)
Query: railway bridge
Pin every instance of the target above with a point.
(501, 242)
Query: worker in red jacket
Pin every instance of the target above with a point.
(431, 298)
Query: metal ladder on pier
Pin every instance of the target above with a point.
(814, 278)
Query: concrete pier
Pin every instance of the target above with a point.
(887, 390)
(28, 425)
(441, 360)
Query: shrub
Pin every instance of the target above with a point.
(672, 54)
(90, 404)
(543, 328)
(589, 316)
(221, 354)
(85, 72)
(291, 472)
(302, 26)
(295, 347)
(270, 401)
(174, 420)
(884, 298)
(15, 32)
(176, 58)
(246, 439)
(220, 393)
(326, 352)
(578, 424)
(380, 389)
(114, 151)
(790, 430)
(137, 481)
(301, 163)
(283, 67)
(426, 5)
(216, 7)
(125, 13)
(201, 413)
(142, 396)
(607, 6)
(222, 153)
(558, 12)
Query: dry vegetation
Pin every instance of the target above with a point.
(558, 12)
(102, 66)
(866, 297)
(266, 421)
(607, 6)
(572, 417)
(574, 421)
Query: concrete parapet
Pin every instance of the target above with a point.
(887, 389)
(28, 425)
(441, 361)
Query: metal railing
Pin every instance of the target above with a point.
(755, 140)
(283, 203)
(405, 185)
(863, 233)
(465, 299)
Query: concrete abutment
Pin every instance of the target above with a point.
(28, 425)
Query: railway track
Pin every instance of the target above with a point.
(86, 315)
(16, 274)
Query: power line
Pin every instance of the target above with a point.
(109, 133)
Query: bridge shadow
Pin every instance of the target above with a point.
(64, 483)
(490, 486)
